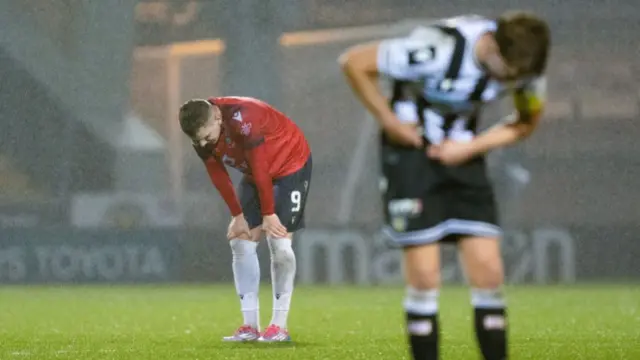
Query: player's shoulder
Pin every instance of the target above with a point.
(243, 116)
(424, 50)
(427, 35)
(467, 20)
(236, 101)
(438, 32)
(469, 26)
(239, 106)
(443, 33)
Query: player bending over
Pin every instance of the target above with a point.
(274, 156)
(433, 159)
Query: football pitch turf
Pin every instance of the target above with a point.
(187, 322)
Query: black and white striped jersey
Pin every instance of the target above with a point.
(438, 62)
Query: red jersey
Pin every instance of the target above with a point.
(257, 140)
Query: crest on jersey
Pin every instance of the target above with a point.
(245, 129)
(237, 116)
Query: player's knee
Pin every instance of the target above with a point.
(485, 272)
(424, 278)
(241, 247)
(489, 274)
(422, 267)
(281, 251)
(487, 298)
(424, 302)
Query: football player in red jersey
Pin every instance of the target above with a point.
(274, 156)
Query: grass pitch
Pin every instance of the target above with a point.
(187, 322)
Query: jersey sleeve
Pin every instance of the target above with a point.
(414, 57)
(529, 100)
(220, 179)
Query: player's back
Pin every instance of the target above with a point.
(286, 146)
(463, 83)
(442, 62)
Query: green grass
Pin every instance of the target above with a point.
(187, 322)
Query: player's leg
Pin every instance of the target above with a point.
(483, 266)
(414, 213)
(246, 268)
(422, 275)
(291, 195)
(475, 215)
(283, 273)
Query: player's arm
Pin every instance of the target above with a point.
(529, 105)
(402, 58)
(360, 67)
(222, 181)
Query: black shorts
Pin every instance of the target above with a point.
(426, 202)
(290, 193)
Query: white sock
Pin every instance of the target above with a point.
(246, 274)
(283, 273)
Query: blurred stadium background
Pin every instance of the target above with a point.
(97, 184)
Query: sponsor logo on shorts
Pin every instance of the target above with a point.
(405, 207)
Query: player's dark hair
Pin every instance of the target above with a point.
(524, 40)
(194, 114)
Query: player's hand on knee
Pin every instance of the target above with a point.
(238, 228)
(273, 227)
